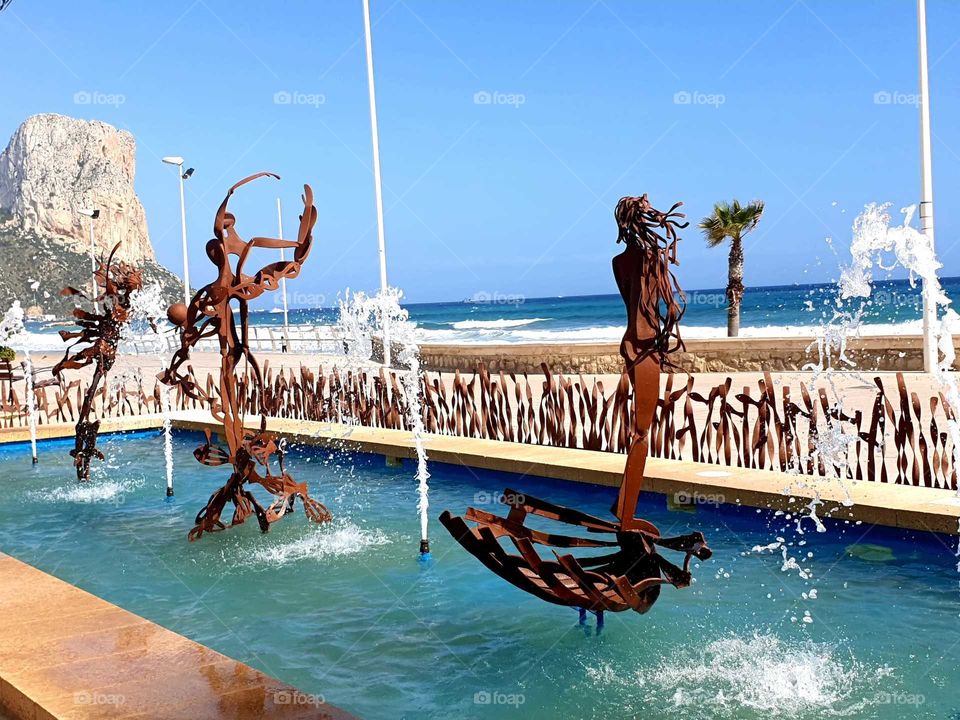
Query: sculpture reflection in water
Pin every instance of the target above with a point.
(211, 314)
(630, 576)
(99, 336)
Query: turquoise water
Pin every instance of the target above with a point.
(347, 612)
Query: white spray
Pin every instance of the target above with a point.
(14, 333)
(361, 316)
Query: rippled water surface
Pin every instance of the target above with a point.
(855, 622)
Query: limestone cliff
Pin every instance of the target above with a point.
(53, 167)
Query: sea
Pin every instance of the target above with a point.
(895, 308)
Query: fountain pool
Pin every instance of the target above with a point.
(344, 610)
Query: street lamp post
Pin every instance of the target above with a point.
(378, 187)
(93, 214)
(178, 161)
(283, 283)
(930, 354)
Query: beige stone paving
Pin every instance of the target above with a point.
(65, 653)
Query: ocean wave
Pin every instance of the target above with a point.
(494, 324)
(614, 333)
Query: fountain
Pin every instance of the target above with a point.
(631, 576)
(99, 336)
(142, 334)
(210, 314)
(363, 317)
(13, 332)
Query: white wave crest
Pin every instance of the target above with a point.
(320, 543)
(500, 324)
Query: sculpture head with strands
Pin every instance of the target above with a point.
(655, 303)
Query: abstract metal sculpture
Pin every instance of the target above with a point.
(629, 577)
(211, 314)
(99, 334)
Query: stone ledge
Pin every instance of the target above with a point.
(872, 353)
(65, 653)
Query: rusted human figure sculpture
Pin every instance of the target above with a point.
(629, 577)
(99, 334)
(211, 315)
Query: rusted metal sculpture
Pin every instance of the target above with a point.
(211, 314)
(630, 576)
(99, 335)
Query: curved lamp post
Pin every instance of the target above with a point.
(183, 175)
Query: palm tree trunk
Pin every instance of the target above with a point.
(734, 286)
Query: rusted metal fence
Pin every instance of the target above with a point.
(903, 438)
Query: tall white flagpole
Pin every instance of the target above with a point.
(376, 172)
(930, 355)
(283, 282)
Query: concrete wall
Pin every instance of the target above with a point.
(887, 352)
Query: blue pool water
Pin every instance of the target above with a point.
(347, 612)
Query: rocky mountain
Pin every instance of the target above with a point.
(53, 167)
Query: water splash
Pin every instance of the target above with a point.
(95, 492)
(167, 436)
(13, 332)
(877, 243)
(362, 317)
(318, 544)
(760, 672)
(145, 332)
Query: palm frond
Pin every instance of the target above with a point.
(731, 220)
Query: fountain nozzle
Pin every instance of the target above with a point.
(424, 549)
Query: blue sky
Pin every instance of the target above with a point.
(514, 195)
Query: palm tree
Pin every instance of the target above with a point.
(732, 220)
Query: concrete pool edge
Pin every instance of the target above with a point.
(684, 483)
(67, 653)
